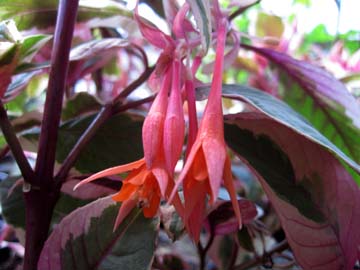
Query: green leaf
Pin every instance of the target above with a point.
(9, 53)
(351, 40)
(31, 45)
(42, 14)
(201, 11)
(18, 83)
(13, 205)
(269, 26)
(282, 113)
(245, 239)
(319, 35)
(276, 168)
(85, 240)
(306, 3)
(118, 141)
(79, 104)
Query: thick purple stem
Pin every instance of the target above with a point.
(43, 195)
(57, 80)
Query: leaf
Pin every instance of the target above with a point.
(201, 12)
(319, 35)
(93, 48)
(9, 53)
(118, 141)
(280, 112)
(245, 240)
(31, 45)
(90, 191)
(316, 199)
(78, 104)
(13, 205)
(85, 240)
(18, 83)
(321, 99)
(222, 219)
(269, 26)
(8, 62)
(42, 14)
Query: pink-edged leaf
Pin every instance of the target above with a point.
(89, 191)
(85, 240)
(316, 199)
(99, 51)
(93, 48)
(202, 15)
(31, 45)
(321, 99)
(9, 53)
(17, 85)
(222, 219)
(42, 14)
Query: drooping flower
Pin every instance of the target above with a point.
(208, 163)
(148, 178)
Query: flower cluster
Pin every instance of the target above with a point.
(207, 164)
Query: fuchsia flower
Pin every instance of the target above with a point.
(208, 163)
(148, 178)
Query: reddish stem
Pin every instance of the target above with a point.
(54, 96)
(43, 195)
(15, 146)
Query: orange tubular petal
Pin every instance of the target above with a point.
(125, 193)
(194, 195)
(176, 201)
(199, 168)
(152, 209)
(195, 220)
(112, 171)
(229, 185)
(124, 211)
(186, 169)
(138, 176)
(215, 155)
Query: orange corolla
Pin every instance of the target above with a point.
(208, 164)
(142, 187)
